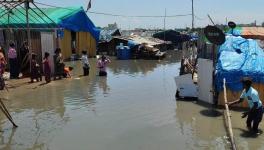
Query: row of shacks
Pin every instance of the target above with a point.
(67, 28)
(153, 46)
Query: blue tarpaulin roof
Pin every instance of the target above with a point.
(80, 22)
(239, 57)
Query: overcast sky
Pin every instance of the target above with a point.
(240, 11)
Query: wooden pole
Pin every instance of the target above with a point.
(28, 33)
(7, 114)
(228, 120)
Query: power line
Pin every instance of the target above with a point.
(118, 15)
(199, 18)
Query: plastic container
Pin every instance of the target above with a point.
(123, 52)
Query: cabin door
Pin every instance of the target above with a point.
(205, 80)
(47, 45)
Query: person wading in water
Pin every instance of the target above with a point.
(101, 64)
(254, 115)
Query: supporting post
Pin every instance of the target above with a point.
(228, 119)
(28, 31)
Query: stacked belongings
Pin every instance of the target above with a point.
(239, 57)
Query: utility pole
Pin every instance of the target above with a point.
(192, 16)
(165, 28)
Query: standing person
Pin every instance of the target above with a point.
(12, 56)
(254, 115)
(2, 52)
(101, 64)
(47, 68)
(2, 69)
(2, 55)
(35, 71)
(85, 63)
(58, 64)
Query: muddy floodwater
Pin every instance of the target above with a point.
(134, 108)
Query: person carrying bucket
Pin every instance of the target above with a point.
(254, 115)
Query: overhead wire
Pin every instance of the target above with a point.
(119, 15)
(199, 18)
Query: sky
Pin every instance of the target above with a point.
(239, 11)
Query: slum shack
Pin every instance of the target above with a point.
(147, 48)
(176, 38)
(108, 41)
(109, 47)
(236, 58)
(67, 28)
(139, 47)
(240, 57)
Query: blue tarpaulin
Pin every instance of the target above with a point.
(237, 58)
(80, 22)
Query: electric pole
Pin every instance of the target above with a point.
(165, 28)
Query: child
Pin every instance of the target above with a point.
(47, 69)
(35, 69)
(67, 71)
(85, 63)
(2, 71)
(101, 64)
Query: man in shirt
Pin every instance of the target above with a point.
(256, 110)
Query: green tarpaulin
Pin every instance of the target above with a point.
(70, 18)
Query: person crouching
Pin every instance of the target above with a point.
(67, 72)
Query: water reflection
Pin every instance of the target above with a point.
(102, 84)
(135, 67)
(206, 131)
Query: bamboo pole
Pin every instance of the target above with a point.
(7, 114)
(228, 120)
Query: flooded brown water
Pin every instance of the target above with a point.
(134, 108)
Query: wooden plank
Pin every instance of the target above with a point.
(85, 41)
(65, 45)
(229, 123)
(234, 95)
